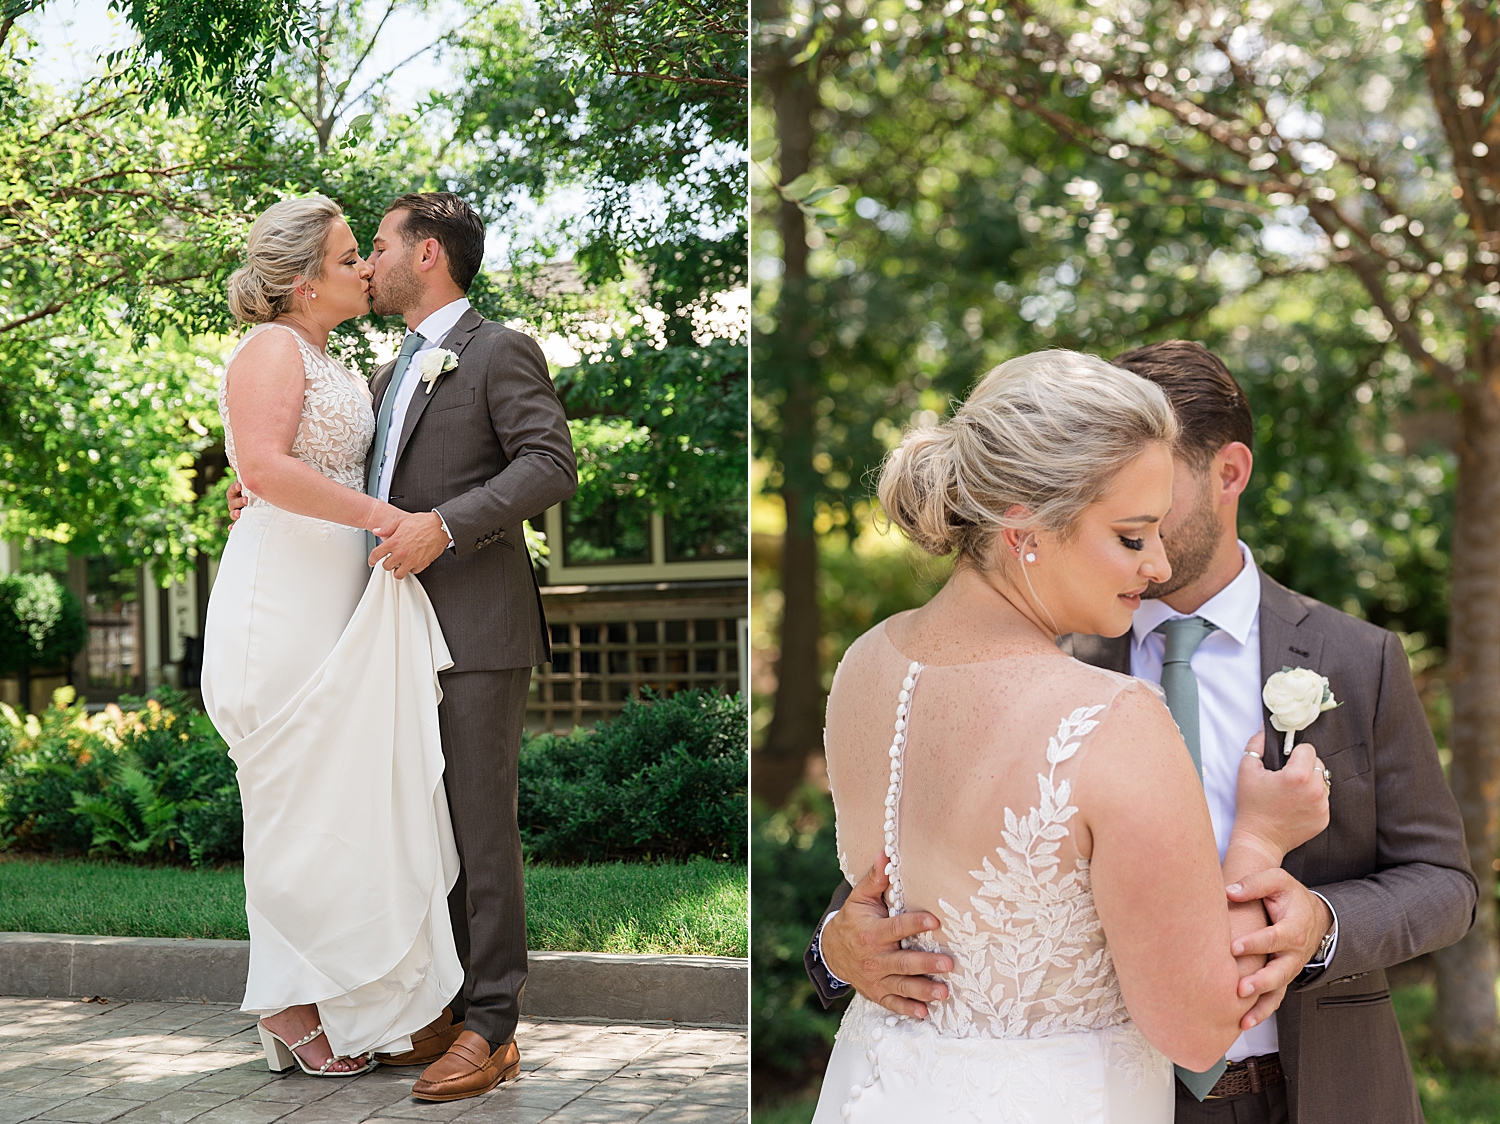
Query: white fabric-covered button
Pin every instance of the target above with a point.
(908, 683)
(905, 695)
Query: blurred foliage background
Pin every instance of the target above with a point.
(935, 188)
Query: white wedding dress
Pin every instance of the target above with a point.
(321, 675)
(964, 776)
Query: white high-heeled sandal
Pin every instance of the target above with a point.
(281, 1056)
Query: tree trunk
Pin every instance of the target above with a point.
(1465, 1024)
(796, 728)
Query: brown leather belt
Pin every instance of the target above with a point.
(1249, 1076)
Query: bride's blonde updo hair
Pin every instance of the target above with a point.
(1046, 432)
(286, 246)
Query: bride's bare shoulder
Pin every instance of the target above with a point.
(266, 349)
(1136, 732)
(870, 647)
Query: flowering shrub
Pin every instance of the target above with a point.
(153, 782)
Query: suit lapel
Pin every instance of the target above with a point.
(380, 381)
(1285, 641)
(455, 341)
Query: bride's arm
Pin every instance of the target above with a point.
(1275, 812)
(1157, 883)
(265, 395)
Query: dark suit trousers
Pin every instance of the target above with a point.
(1269, 1106)
(481, 718)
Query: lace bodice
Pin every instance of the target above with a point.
(338, 422)
(965, 776)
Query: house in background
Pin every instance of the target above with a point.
(631, 601)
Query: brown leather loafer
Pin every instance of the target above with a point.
(467, 1069)
(428, 1044)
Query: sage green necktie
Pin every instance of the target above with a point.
(409, 348)
(1180, 685)
(1183, 636)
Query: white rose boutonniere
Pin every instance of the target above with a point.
(432, 364)
(1295, 696)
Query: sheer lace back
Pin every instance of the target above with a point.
(338, 422)
(965, 775)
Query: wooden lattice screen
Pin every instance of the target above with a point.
(603, 654)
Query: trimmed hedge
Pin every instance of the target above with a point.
(152, 782)
(664, 780)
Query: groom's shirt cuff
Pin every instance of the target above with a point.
(449, 533)
(1313, 967)
(817, 951)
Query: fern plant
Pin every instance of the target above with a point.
(131, 817)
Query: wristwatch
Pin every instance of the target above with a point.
(1325, 946)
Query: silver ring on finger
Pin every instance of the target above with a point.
(1327, 780)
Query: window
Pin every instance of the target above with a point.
(113, 608)
(627, 542)
(709, 535)
(615, 532)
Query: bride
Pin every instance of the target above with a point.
(1047, 812)
(321, 675)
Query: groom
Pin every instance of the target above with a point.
(472, 451)
(1391, 874)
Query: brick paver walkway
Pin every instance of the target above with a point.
(170, 1063)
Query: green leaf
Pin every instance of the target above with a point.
(764, 149)
(800, 187)
(360, 122)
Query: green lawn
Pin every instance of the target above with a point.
(697, 908)
(1446, 1098)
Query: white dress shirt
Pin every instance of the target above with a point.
(434, 330)
(1227, 667)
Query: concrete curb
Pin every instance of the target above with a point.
(685, 989)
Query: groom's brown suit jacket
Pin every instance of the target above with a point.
(488, 448)
(1392, 863)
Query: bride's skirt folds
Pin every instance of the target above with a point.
(321, 675)
(890, 1070)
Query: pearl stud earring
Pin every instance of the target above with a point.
(1031, 556)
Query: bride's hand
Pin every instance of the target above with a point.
(1278, 811)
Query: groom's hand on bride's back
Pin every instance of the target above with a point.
(861, 945)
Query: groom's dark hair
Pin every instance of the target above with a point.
(457, 227)
(1211, 408)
